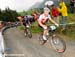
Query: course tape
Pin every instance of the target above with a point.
(72, 23)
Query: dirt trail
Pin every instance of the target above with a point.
(15, 39)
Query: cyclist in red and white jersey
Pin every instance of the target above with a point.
(43, 18)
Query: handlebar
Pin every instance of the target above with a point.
(72, 23)
(53, 27)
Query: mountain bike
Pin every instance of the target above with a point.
(55, 40)
(28, 32)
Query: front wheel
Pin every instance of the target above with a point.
(58, 44)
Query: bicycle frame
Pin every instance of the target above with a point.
(50, 31)
(28, 32)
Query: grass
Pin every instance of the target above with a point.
(69, 32)
(34, 29)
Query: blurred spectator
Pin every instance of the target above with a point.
(1, 24)
(20, 18)
(55, 14)
(72, 5)
(64, 14)
(35, 15)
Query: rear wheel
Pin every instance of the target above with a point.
(25, 34)
(29, 34)
(58, 44)
(41, 40)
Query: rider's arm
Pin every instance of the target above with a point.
(53, 21)
(39, 21)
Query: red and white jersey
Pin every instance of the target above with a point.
(44, 18)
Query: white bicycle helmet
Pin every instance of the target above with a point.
(49, 3)
(46, 9)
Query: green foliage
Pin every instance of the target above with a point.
(68, 6)
(8, 15)
(36, 29)
(21, 28)
(71, 18)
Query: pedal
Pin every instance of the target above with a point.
(44, 41)
(25, 34)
